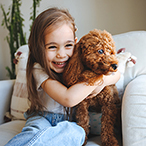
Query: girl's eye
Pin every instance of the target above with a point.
(69, 45)
(52, 47)
(100, 51)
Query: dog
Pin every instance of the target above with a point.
(94, 56)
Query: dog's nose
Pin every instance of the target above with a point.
(114, 66)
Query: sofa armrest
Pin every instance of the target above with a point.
(134, 112)
(6, 88)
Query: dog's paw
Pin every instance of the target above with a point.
(112, 141)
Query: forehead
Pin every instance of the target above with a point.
(62, 34)
(57, 25)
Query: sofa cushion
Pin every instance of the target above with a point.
(19, 101)
(5, 97)
(134, 112)
(9, 130)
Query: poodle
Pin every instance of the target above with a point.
(94, 56)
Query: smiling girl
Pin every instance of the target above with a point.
(51, 44)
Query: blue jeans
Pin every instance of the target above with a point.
(49, 130)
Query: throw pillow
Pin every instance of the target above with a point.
(19, 101)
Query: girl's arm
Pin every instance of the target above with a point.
(73, 95)
(108, 80)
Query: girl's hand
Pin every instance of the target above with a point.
(110, 79)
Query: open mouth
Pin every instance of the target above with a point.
(60, 64)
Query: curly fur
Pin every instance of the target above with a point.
(94, 56)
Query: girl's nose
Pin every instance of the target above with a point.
(60, 53)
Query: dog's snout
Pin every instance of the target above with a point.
(114, 66)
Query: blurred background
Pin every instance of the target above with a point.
(115, 16)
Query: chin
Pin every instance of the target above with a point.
(59, 70)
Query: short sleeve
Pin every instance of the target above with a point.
(39, 75)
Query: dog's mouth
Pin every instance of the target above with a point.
(108, 65)
(106, 69)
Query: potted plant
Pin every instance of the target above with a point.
(14, 22)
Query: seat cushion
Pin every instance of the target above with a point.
(9, 130)
(134, 112)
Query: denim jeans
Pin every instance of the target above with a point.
(49, 130)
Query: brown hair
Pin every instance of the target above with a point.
(46, 21)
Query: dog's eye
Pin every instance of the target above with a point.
(100, 51)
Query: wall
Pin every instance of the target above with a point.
(116, 16)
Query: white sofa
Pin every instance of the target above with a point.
(133, 101)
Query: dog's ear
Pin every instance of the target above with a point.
(74, 67)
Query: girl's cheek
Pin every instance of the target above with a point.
(71, 52)
(49, 56)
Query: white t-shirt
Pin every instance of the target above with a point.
(40, 76)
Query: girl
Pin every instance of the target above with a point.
(51, 44)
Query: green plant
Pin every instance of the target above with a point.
(36, 3)
(14, 23)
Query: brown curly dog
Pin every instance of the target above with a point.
(95, 55)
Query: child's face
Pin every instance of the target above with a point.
(59, 45)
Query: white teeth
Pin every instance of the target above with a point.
(59, 63)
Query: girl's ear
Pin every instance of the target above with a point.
(76, 40)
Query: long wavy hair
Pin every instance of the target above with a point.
(46, 22)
